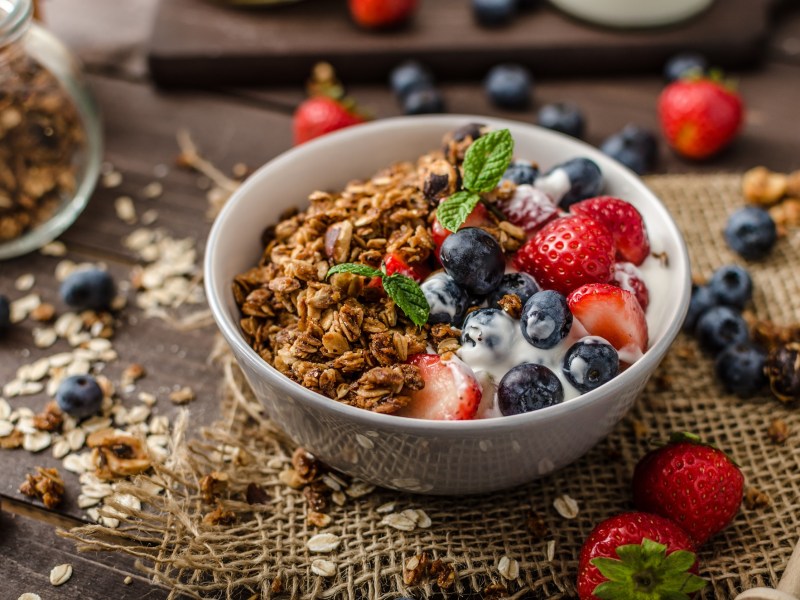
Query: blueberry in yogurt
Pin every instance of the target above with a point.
(447, 300)
(519, 284)
(589, 363)
(488, 330)
(474, 259)
(528, 387)
(546, 319)
(572, 181)
(521, 172)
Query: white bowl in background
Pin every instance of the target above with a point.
(436, 457)
(633, 13)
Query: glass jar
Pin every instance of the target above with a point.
(50, 138)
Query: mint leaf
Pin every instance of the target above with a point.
(408, 296)
(364, 270)
(486, 160)
(454, 210)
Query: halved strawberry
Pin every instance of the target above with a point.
(451, 392)
(479, 217)
(623, 221)
(612, 313)
(395, 263)
(628, 277)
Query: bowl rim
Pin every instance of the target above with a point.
(641, 369)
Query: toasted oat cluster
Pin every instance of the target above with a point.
(342, 336)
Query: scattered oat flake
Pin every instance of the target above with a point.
(566, 506)
(112, 179)
(508, 568)
(399, 521)
(36, 442)
(182, 396)
(550, 551)
(323, 542)
(153, 190)
(21, 307)
(358, 489)
(125, 209)
(149, 216)
(323, 568)
(60, 574)
(6, 428)
(423, 520)
(29, 596)
(385, 508)
(25, 283)
(338, 498)
(128, 580)
(54, 249)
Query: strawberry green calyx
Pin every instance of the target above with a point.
(686, 436)
(646, 572)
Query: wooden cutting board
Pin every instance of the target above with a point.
(200, 43)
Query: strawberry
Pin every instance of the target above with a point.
(694, 484)
(320, 115)
(479, 217)
(699, 117)
(382, 14)
(628, 277)
(611, 313)
(451, 392)
(636, 556)
(395, 263)
(623, 221)
(567, 253)
(529, 208)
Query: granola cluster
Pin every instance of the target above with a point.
(342, 336)
(41, 135)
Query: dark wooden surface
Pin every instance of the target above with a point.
(197, 43)
(253, 125)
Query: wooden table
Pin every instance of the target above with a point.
(253, 126)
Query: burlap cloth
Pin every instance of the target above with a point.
(473, 533)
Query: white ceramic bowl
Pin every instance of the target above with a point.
(457, 457)
(633, 13)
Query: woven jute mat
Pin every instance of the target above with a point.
(267, 542)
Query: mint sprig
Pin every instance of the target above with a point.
(484, 164)
(405, 292)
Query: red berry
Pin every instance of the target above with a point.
(379, 14)
(320, 115)
(628, 277)
(694, 484)
(643, 573)
(613, 314)
(395, 263)
(479, 217)
(529, 208)
(567, 253)
(451, 392)
(699, 117)
(623, 221)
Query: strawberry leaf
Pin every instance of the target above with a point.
(486, 160)
(408, 296)
(358, 269)
(453, 211)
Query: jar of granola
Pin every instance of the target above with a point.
(50, 140)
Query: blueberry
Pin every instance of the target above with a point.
(751, 232)
(423, 101)
(474, 259)
(490, 330)
(493, 13)
(509, 86)
(702, 299)
(521, 172)
(720, 327)
(528, 387)
(447, 300)
(572, 181)
(409, 76)
(5, 314)
(90, 288)
(686, 63)
(519, 284)
(545, 319)
(633, 146)
(589, 363)
(564, 117)
(79, 396)
(731, 286)
(740, 369)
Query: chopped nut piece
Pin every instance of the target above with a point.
(43, 313)
(182, 396)
(132, 373)
(12, 441)
(778, 431)
(46, 485)
(317, 519)
(640, 431)
(762, 186)
(116, 455)
(50, 419)
(212, 486)
(305, 464)
(256, 494)
(783, 370)
(276, 586)
(415, 569)
(755, 498)
(445, 574)
(495, 591)
(219, 516)
(512, 305)
(316, 495)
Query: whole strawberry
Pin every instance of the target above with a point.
(694, 484)
(699, 117)
(623, 221)
(638, 556)
(381, 14)
(320, 115)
